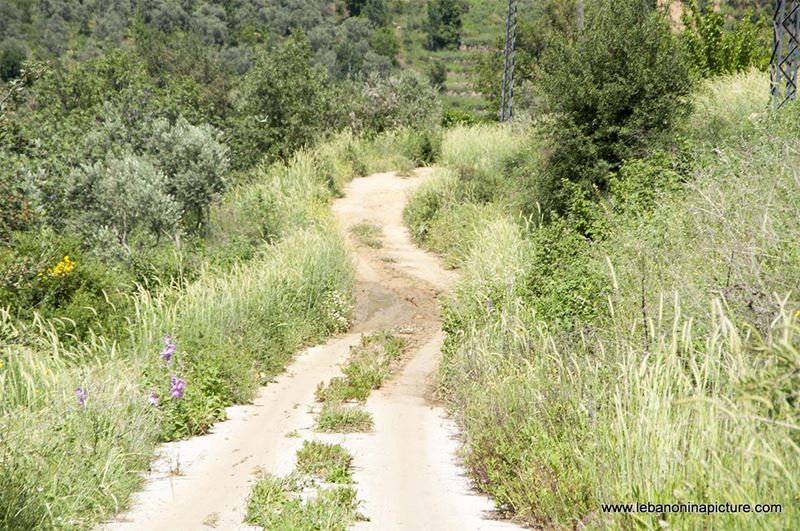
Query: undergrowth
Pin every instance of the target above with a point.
(275, 276)
(645, 346)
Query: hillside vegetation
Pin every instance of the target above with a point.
(626, 325)
(186, 349)
(166, 244)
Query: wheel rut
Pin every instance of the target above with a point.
(406, 470)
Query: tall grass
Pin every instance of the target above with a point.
(287, 283)
(683, 389)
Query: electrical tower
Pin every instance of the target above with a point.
(507, 95)
(785, 52)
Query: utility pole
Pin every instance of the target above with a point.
(785, 52)
(507, 95)
(580, 15)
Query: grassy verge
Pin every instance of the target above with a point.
(655, 362)
(370, 363)
(300, 501)
(79, 417)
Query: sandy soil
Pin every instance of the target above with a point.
(406, 470)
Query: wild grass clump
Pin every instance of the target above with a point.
(478, 154)
(327, 462)
(275, 503)
(343, 418)
(370, 363)
(290, 502)
(646, 341)
(368, 234)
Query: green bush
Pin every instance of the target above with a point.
(444, 24)
(195, 163)
(128, 195)
(287, 102)
(401, 100)
(12, 57)
(437, 75)
(715, 50)
(17, 208)
(622, 83)
(385, 43)
(51, 274)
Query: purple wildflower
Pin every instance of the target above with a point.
(169, 349)
(153, 399)
(178, 385)
(82, 395)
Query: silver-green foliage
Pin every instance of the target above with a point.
(128, 194)
(195, 162)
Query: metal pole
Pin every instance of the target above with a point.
(507, 92)
(785, 52)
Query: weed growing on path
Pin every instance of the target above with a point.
(327, 462)
(342, 418)
(370, 363)
(299, 502)
(368, 234)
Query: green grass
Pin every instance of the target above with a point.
(299, 502)
(274, 504)
(368, 234)
(326, 462)
(656, 363)
(370, 363)
(341, 418)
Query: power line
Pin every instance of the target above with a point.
(507, 95)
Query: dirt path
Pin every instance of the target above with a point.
(405, 470)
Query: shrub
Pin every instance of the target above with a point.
(52, 275)
(454, 117)
(12, 57)
(128, 195)
(286, 103)
(437, 75)
(714, 50)
(17, 210)
(195, 163)
(444, 24)
(620, 85)
(385, 43)
(397, 101)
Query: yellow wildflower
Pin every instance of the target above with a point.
(62, 269)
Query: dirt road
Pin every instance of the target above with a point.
(406, 470)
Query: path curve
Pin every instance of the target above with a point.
(406, 470)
